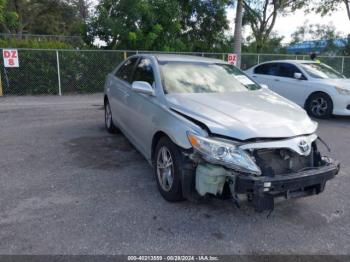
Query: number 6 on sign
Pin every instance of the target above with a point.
(10, 57)
(232, 59)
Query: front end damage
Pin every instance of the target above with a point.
(288, 169)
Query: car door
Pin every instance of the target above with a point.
(288, 86)
(265, 74)
(119, 87)
(141, 107)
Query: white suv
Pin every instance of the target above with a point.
(317, 87)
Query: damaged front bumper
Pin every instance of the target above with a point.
(260, 190)
(263, 190)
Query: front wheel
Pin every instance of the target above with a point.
(168, 169)
(111, 128)
(319, 105)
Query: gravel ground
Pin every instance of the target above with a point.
(68, 187)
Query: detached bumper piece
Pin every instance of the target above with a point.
(262, 190)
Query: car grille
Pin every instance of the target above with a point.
(281, 161)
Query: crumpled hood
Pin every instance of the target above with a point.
(244, 115)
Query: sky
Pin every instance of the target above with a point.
(286, 25)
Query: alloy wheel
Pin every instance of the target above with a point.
(319, 106)
(165, 169)
(108, 115)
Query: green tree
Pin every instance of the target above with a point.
(315, 32)
(82, 7)
(204, 24)
(2, 10)
(173, 25)
(261, 16)
(326, 33)
(273, 45)
(56, 17)
(325, 7)
(8, 18)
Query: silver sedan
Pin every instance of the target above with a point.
(208, 129)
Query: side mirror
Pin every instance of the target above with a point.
(142, 87)
(298, 76)
(263, 86)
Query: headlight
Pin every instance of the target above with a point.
(218, 152)
(342, 90)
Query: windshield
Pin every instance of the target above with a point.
(321, 71)
(198, 77)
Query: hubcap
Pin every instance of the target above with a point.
(319, 106)
(108, 116)
(165, 169)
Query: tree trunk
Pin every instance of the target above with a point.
(238, 32)
(347, 6)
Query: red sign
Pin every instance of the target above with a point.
(10, 57)
(232, 59)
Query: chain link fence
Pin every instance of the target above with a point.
(63, 72)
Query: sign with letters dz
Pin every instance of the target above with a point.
(232, 59)
(10, 57)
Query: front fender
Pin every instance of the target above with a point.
(175, 127)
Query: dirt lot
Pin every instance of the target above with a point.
(68, 187)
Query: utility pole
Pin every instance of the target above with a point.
(237, 37)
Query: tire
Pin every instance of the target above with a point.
(319, 105)
(168, 178)
(111, 128)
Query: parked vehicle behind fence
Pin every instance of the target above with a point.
(318, 88)
(207, 129)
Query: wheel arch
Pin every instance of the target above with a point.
(317, 92)
(157, 136)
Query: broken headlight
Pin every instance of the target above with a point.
(219, 152)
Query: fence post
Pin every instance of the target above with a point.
(342, 65)
(258, 59)
(125, 57)
(223, 57)
(58, 74)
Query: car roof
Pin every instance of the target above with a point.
(290, 61)
(183, 58)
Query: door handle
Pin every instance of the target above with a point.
(277, 80)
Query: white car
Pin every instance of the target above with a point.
(317, 87)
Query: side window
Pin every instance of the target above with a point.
(267, 69)
(125, 71)
(144, 71)
(287, 70)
